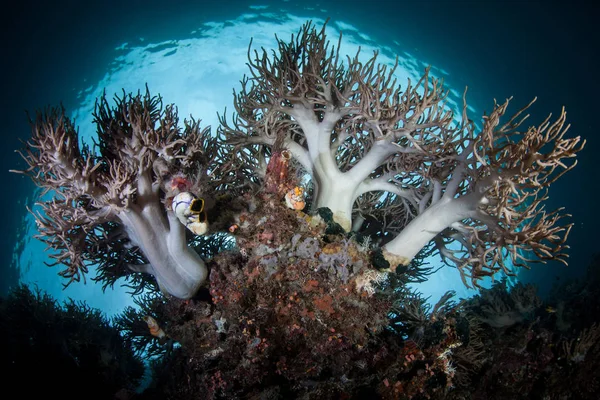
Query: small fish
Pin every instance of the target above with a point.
(294, 199)
(155, 329)
(550, 309)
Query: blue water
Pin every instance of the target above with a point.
(55, 52)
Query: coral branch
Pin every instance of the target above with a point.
(356, 131)
(112, 206)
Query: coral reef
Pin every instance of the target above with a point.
(426, 175)
(289, 317)
(272, 261)
(62, 351)
(273, 331)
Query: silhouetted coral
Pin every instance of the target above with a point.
(69, 351)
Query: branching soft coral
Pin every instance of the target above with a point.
(111, 206)
(390, 162)
(363, 138)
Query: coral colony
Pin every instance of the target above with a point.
(274, 283)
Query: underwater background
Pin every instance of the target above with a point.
(193, 53)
